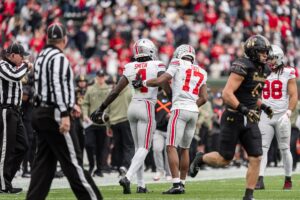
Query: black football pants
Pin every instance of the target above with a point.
(14, 145)
(52, 147)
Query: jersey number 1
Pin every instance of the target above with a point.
(189, 73)
(142, 73)
(272, 89)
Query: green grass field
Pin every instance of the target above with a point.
(227, 189)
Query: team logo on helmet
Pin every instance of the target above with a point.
(254, 45)
(144, 48)
(185, 50)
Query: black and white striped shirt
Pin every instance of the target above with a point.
(10, 83)
(54, 79)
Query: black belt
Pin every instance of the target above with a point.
(10, 106)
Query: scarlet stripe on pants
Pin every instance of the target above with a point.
(173, 127)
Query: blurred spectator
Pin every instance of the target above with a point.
(101, 32)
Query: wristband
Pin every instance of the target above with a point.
(144, 83)
(242, 109)
(263, 106)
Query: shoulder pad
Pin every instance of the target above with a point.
(241, 66)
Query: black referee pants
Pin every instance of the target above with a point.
(123, 150)
(52, 147)
(14, 145)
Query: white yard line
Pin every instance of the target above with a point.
(113, 179)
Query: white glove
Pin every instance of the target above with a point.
(285, 116)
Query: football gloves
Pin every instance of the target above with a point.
(251, 114)
(268, 110)
(285, 117)
(99, 116)
(138, 82)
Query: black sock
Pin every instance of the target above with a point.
(248, 192)
(288, 178)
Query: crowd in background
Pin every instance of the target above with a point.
(102, 32)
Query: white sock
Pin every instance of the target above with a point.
(140, 177)
(287, 162)
(175, 180)
(182, 181)
(263, 163)
(137, 161)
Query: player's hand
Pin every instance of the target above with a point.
(138, 82)
(99, 117)
(253, 116)
(268, 110)
(29, 64)
(64, 125)
(76, 112)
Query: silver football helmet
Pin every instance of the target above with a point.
(144, 48)
(277, 54)
(185, 50)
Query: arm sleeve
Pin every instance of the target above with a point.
(9, 73)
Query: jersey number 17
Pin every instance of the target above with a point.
(189, 73)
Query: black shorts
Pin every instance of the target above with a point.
(233, 129)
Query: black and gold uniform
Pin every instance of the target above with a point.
(232, 122)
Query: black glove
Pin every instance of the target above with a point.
(268, 110)
(138, 82)
(252, 115)
(99, 116)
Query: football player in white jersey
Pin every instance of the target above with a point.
(141, 111)
(189, 93)
(280, 93)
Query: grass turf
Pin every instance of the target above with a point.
(227, 189)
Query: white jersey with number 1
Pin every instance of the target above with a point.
(186, 82)
(147, 70)
(275, 92)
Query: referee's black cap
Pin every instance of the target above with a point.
(56, 31)
(16, 48)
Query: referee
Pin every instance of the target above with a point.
(55, 99)
(12, 136)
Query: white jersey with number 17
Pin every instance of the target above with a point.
(147, 70)
(275, 92)
(186, 82)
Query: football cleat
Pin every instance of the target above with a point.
(248, 198)
(142, 190)
(125, 183)
(12, 191)
(260, 183)
(287, 185)
(195, 165)
(178, 189)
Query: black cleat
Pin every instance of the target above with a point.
(248, 198)
(260, 183)
(179, 189)
(125, 183)
(195, 165)
(142, 190)
(11, 191)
